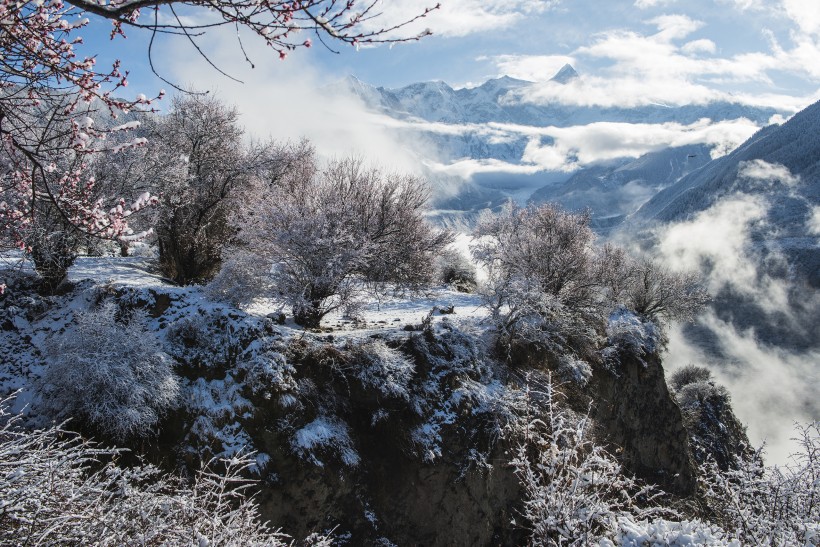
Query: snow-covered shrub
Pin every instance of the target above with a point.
(108, 374)
(242, 277)
(689, 374)
(58, 489)
(216, 406)
(668, 533)
(334, 233)
(267, 371)
(542, 249)
(574, 491)
(715, 433)
(696, 394)
(325, 435)
(574, 370)
(627, 331)
(456, 270)
(207, 338)
(382, 368)
(770, 505)
(53, 245)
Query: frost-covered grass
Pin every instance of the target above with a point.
(57, 489)
(667, 533)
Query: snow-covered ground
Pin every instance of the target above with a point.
(385, 313)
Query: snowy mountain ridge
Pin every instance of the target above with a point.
(437, 101)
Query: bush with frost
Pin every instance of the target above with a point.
(574, 491)
(108, 374)
(770, 505)
(59, 489)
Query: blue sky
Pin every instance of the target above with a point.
(755, 47)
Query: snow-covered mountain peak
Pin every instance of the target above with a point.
(565, 75)
(504, 82)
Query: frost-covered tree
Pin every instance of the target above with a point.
(197, 159)
(205, 172)
(551, 285)
(332, 233)
(655, 292)
(51, 203)
(457, 270)
(545, 276)
(109, 375)
(542, 247)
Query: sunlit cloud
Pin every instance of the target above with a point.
(569, 148)
(293, 100)
(665, 68)
(772, 387)
(643, 4)
(532, 68)
(806, 14)
(457, 18)
(769, 173)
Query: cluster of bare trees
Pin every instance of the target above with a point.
(549, 284)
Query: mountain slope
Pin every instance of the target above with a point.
(756, 168)
(615, 189)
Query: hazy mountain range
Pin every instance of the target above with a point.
(481, 145)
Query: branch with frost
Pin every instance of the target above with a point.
(58, 488)
(575, 492)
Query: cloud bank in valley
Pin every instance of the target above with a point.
(772, 386)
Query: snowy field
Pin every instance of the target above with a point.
(386, 313)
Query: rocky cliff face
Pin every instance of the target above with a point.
(640, 420)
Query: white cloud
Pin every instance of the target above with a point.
(805, 13)
(292, 100)
(813, 224)
(569, 148)
(770, 386)
(467, 168)
(699, 46)
(457, 18)
(687, 246)
(765, 172)
(656, 68)
(674, 27)
(576, 146)
(643, 4)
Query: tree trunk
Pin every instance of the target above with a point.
(308, 315)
